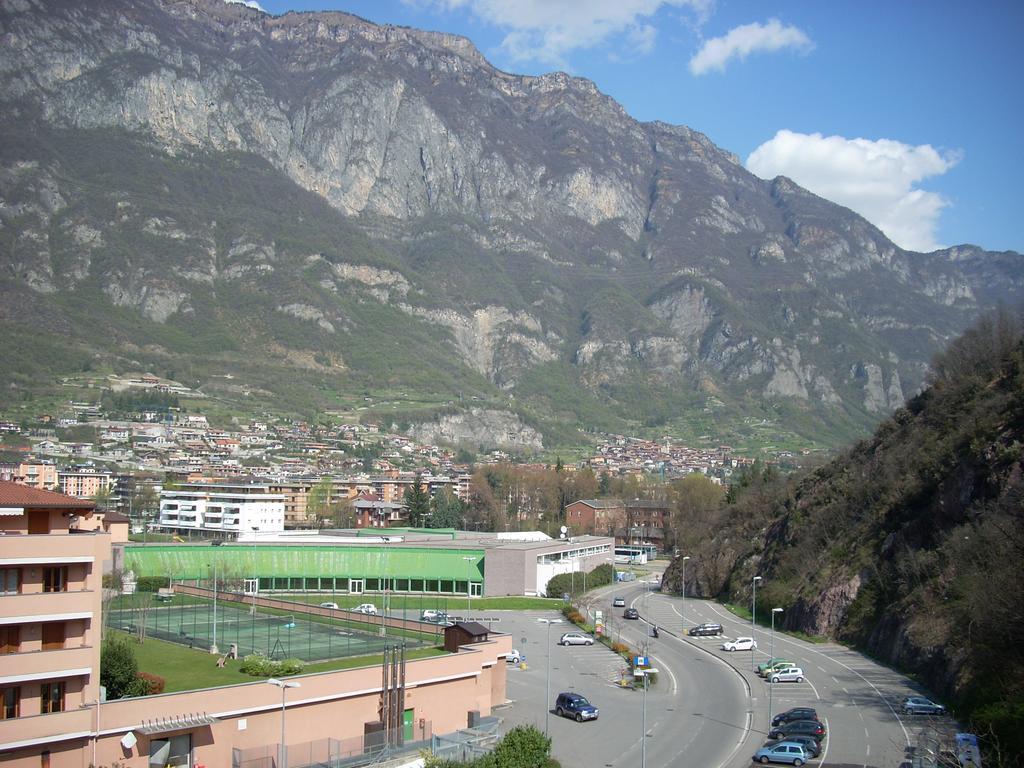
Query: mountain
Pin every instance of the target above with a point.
(907, 545)
(297, 213)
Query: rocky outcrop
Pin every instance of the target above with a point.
(481, 429)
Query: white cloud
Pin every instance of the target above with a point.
(741, 41)
(248, 4)
(547, 31)
(874, 178)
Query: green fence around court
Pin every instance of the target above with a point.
(291, 636)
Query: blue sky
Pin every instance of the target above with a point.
(909, 112)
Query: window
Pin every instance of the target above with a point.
(55, 579)
(51, 697)
(9, 639)
(10, 581)
(11, 703)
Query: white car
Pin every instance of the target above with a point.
(332, 606)
(514, 657)
(575, 638)
(740, 644)
(366, 608)
(788, 675)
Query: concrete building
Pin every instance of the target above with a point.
(220, 510)
(596, 516)
(50, 607)
(41, 475)
(86, 482)
(407, 561)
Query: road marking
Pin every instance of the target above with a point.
(668, 669)
(824, 754)
(813, 689)
(784, 639)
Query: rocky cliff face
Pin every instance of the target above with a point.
(528, 221)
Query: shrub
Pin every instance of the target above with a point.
(154, 683)
(259, 665)
(152, 583)
(119, 671)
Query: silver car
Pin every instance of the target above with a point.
(575, 638)
(787, 675)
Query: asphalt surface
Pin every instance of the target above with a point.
(708, 708)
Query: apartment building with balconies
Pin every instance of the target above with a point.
(50, 609)
(221, 510)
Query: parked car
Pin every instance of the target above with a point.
(798, 727)
(575, 638)
(575, 706)
(703, 630)
(967, 752)
(919, 705)
(740, 644)
(514, 657)
(434, 617)
(782, 752)
(810, 744)
(618, 602)
(796, 713)
(366, 608)
(333, 606)
(787, 675)
(764, 668)
(631, 613)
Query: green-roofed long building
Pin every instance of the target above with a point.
(430, 562)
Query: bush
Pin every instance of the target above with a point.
(259, 665)
(154, 683)
(119, 671)
(152, 583)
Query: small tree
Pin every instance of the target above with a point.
(446, 510)
(119, 671)
(417, 502)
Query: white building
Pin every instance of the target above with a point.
(221, 508)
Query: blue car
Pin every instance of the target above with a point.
(575, 706)
(782, 752)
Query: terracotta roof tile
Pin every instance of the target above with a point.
(18, 495)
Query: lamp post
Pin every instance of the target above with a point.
(753, 616)
(682, 612)
(255, 573)
(469, 573)
(213, 647)
(284, 685)
(772, 656)
(547, 676)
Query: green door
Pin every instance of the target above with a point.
(407, 725)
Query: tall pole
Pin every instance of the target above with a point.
(282, 752)
(547, 676)
(643, 728)
(772, 652)
(214, 649)
(469, 574)
(682, 612)
(255, 573)
(753, 616)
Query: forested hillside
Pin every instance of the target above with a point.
(909, 545)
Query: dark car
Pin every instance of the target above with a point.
(798, 728)
(631, 613)
(702, 630)
(796, 713)
(575, 706)
(809, 743)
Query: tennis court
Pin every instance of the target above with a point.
(278, 636)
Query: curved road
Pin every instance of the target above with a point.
(708, 708)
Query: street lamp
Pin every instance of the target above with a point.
(643, 727)
(255, 573)
(282, 752)
(771, 647)
(547, 676)
(753, 616)
(682, 613)
(213, 647)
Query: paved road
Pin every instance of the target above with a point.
(708, 709)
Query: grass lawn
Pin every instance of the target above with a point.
(187, 669)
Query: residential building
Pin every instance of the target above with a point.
(597, 516)
(86, 482)
(221, 510)
(371, 512)
(50, 608)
